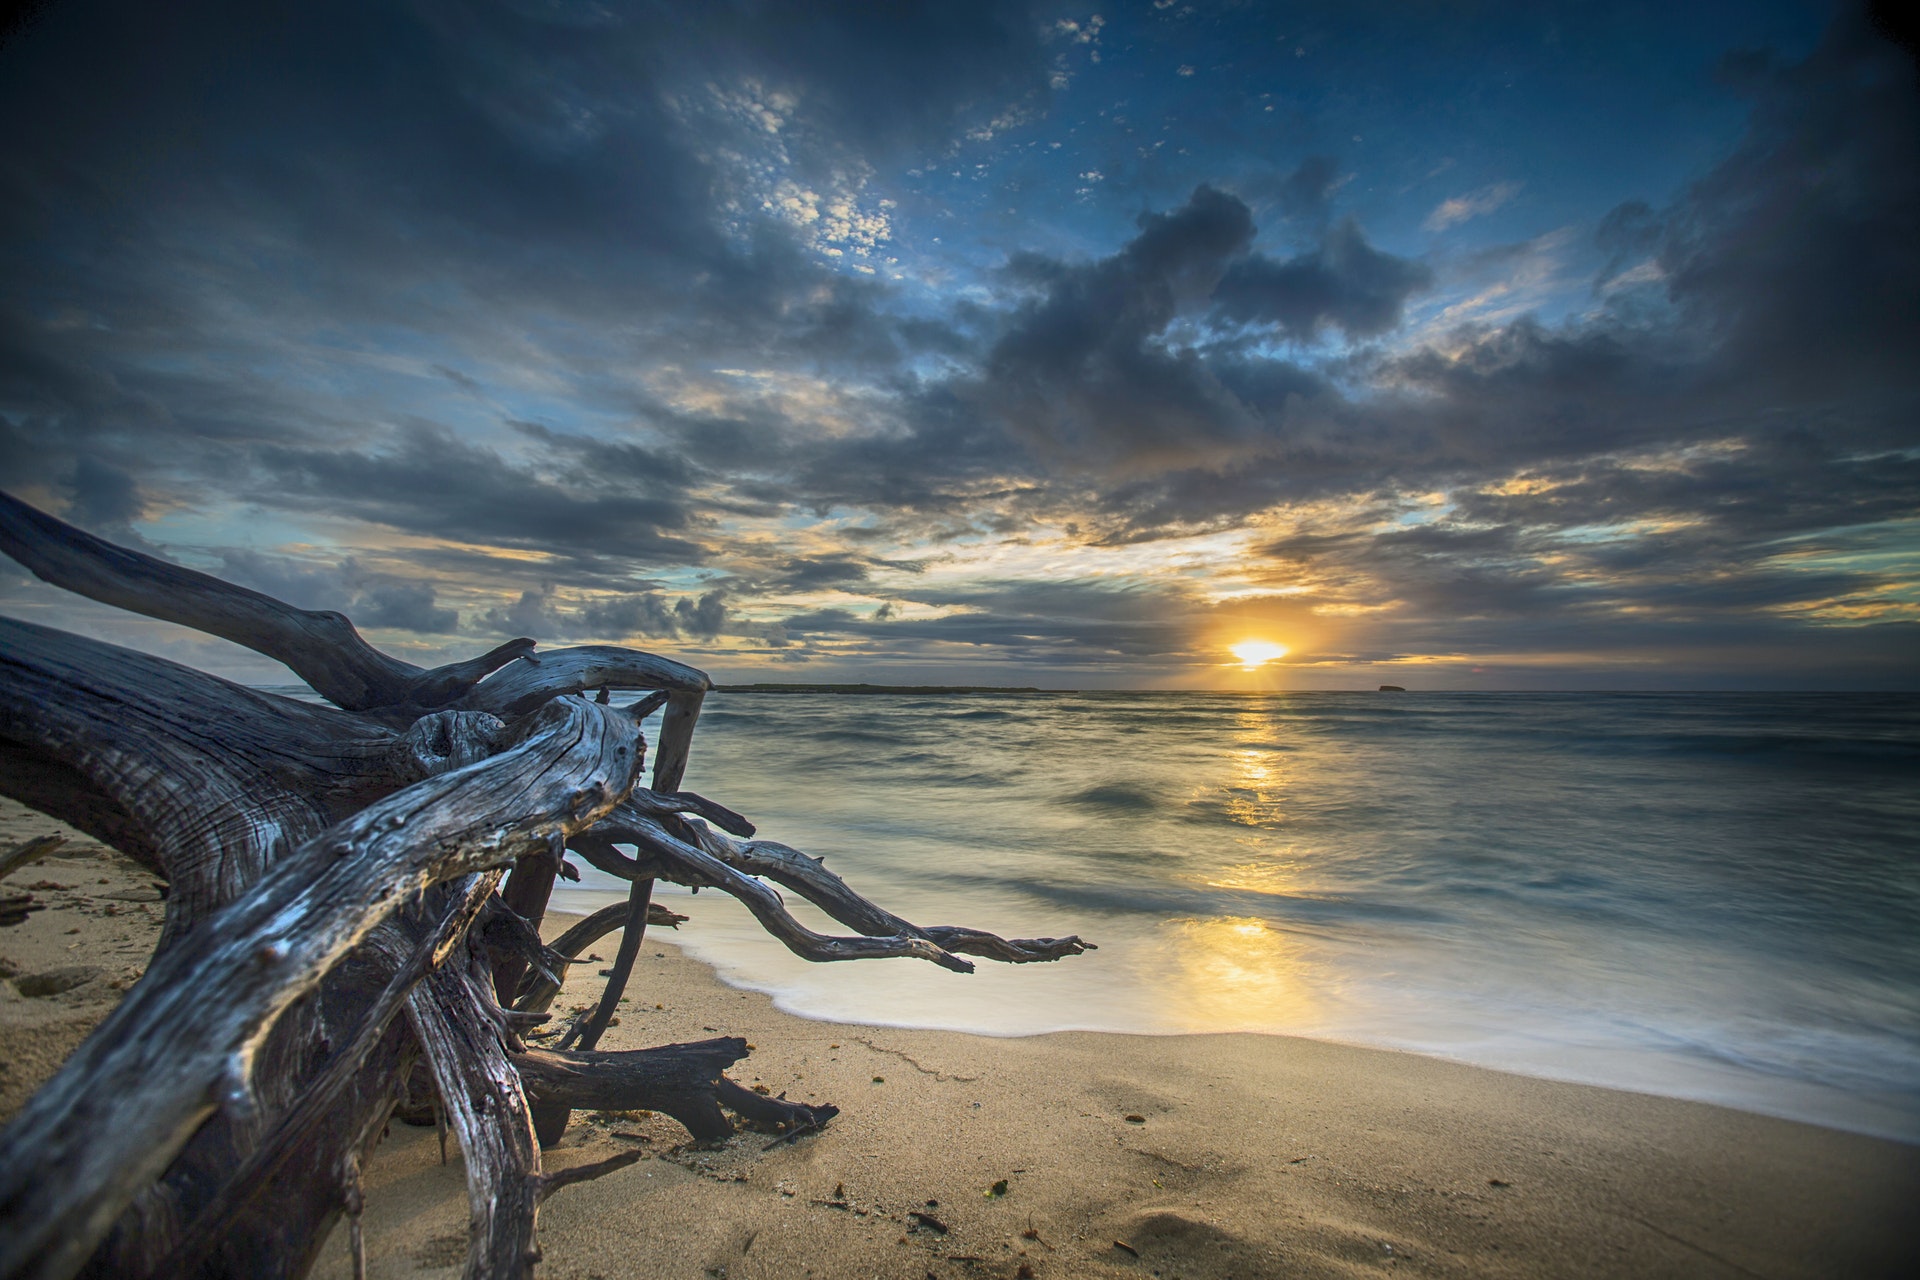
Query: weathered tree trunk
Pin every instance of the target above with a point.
(333, 920)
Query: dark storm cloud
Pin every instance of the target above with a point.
(1785, 302)
(767, 572)
(1795, 288)
(1771, 489)
(104, 497)
(652, 614)
(623, 463)
(882, 74)
(226, 177)
(1798, 251)
(371, 599)
(542, 613)
(431, 482)
(704, 618)
(532, 615)
(1306, 192)
(1523, 392)
(946, 459)
(811, 573)
(1087, 372)
(1067, 599)
(562, 124)
(1088, 378)
(305, 585)
(405, 606)
(1081, 373)
(1346, 283)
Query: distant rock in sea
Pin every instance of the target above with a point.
(1393, 688)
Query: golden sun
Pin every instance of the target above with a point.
(1253, 653)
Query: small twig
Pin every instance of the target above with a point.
(552, 1182)
(1033, 1233)
(799, 1131)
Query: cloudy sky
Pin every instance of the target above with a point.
(1465, 345)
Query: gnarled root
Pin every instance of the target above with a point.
(684, 1081)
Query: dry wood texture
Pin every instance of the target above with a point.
(333, 920)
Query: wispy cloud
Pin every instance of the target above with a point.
(1475, 204)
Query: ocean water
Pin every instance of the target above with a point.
(1703, 896)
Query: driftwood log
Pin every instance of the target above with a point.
(354, 899)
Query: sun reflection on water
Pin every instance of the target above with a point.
(1250, 793)
(1269, 875)
(1234, 973)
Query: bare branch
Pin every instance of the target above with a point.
(675, 1079)
(653, 803)
(536, 995)
(810, 879)
(676, 737)
(685, 864)
(321, 647)
(632, 932)
(504, 934)
(526, 685)
(769, 1112)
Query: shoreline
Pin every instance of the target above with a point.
(1251, 1155)
(1206, 1155)
(1032, 999)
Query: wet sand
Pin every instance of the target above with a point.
(1193, 1156)
(1075, 1154)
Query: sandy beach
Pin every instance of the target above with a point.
(1070, 1154)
